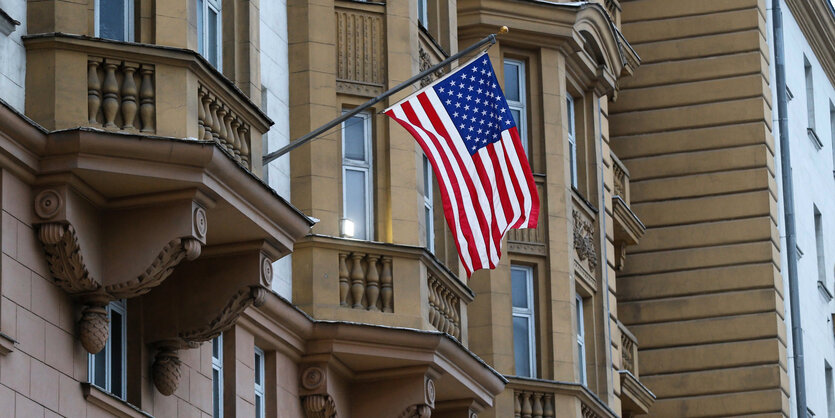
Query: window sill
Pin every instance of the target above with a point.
(6, 344)
(814, 137)
(824, 291)
(110, 403)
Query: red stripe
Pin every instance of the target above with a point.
(504, 196)
(519, 195)
(468, 177)
(533, 216)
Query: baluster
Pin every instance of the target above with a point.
(526, 405)
(146, 99)
(343, 280)
(548, 406)
(213, 108)
(372, 287)
(129, 92)
(221, 127)
(456, 318)
(245, 145)
(236, 134)
(441, 309)
(448, 311)
(93, 90)
(201, 113)
(432, 302)
(110, 91)
(517, 406)
(357, 276)
(207, 111)
(536, 407)
(386, 291)
(230, 136)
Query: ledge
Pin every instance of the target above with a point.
(110, 403)
(7, 23)
(6, 344)
(628, 227)
(635, 397)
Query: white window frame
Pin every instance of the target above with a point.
(572, 139)
(423, 13)
(121, 308)
(217, 365)
(128, 20)
(428, 204)
(581, 338)
(259, 386)
(349, 164)
(529, 315)
(522, 104)
(203, 7)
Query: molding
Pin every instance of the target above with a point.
(813, 136)
(171, 255)
(640, 398)
(7, 23)
(110, 403)
(817, 22)
(63, 254)
(246, 297)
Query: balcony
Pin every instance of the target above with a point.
(77, 81)
(628, 228)
(636, 399)
(378, 283)
(536, 398)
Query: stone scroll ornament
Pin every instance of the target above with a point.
(584, 240)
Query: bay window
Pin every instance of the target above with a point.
(106, 369)
(572, 140)
(514, 90)
(524, 339)
(357, 177)
(210, 31)
(114, 19)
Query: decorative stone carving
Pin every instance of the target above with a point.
(93, 328)
(360, 52)
(430, 391)
(313, 378)
(425, 64)
(47, 203)
(587, 412)
(166, 370)
(584, 240)
(266, 270)
(171, 255)
(63, 254)
(246, 297)
(417, 411)
(318, 406)
(218, 122)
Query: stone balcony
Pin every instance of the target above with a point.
(636, 399)
(537, 398)
(378, 283)
(77, 81)
(628, 228)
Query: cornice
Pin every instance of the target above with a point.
(817, 22)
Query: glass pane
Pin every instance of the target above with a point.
(511, 82)
(356, 201)
(519, 288)
(216, 347)
(427, 218)
(355, 138)
(521, 346)
(257, 369)
(216, 393)
(579, 303)
(258, 412)
(112, 19)
(200, 40)
(117, 354)
(99, 377)
(517, 117)
(212, 35)
(427, 177)
(582, 362)
(570, 114)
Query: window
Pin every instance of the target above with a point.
(217, 376)
(572, 139)
(514, 91)
(259, 383)
(581, 339)
(265, 140)
(106, 369)
(209, 31)
(810, 94)
(114, 19)
(832, 129)
(427, 205)
(423, 13)
(830, 390)
(819, 248)
(524, 340)
(356, 176)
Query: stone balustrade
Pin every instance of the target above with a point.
(533, 404)
(621, 179)
(367, 283)
(444, 307)
(538, 398)
(628, 350)
(140, 89)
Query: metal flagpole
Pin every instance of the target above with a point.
(491, 39)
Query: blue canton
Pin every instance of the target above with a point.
(475, 103)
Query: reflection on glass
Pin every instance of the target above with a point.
(355, 138)
(112, 19)
(212, 41)
(355, 201)
(519, 288)
(521, 346)
(511, 82)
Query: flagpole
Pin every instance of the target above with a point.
(491, 39)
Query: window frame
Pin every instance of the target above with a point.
(120, 306)
(428, 203)
(522, 104)
(571, 115)
(423, 13)
(581, 338)
(367, 167)
(217, 365)
(259, 387)
(529, 314)
(203, 7)
(128, 16)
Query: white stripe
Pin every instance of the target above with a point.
(481, 242)
(517, 169)
(463, 246)
(485, 203)
(501, 217)
(508, 183)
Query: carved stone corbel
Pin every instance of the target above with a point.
(316, 402)
(417, 411)
(318, 406)
(166, 369)
(246, 297)
(171, 255)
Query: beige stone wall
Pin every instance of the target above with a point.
(702, 291)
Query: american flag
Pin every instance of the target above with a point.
(466, 130)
